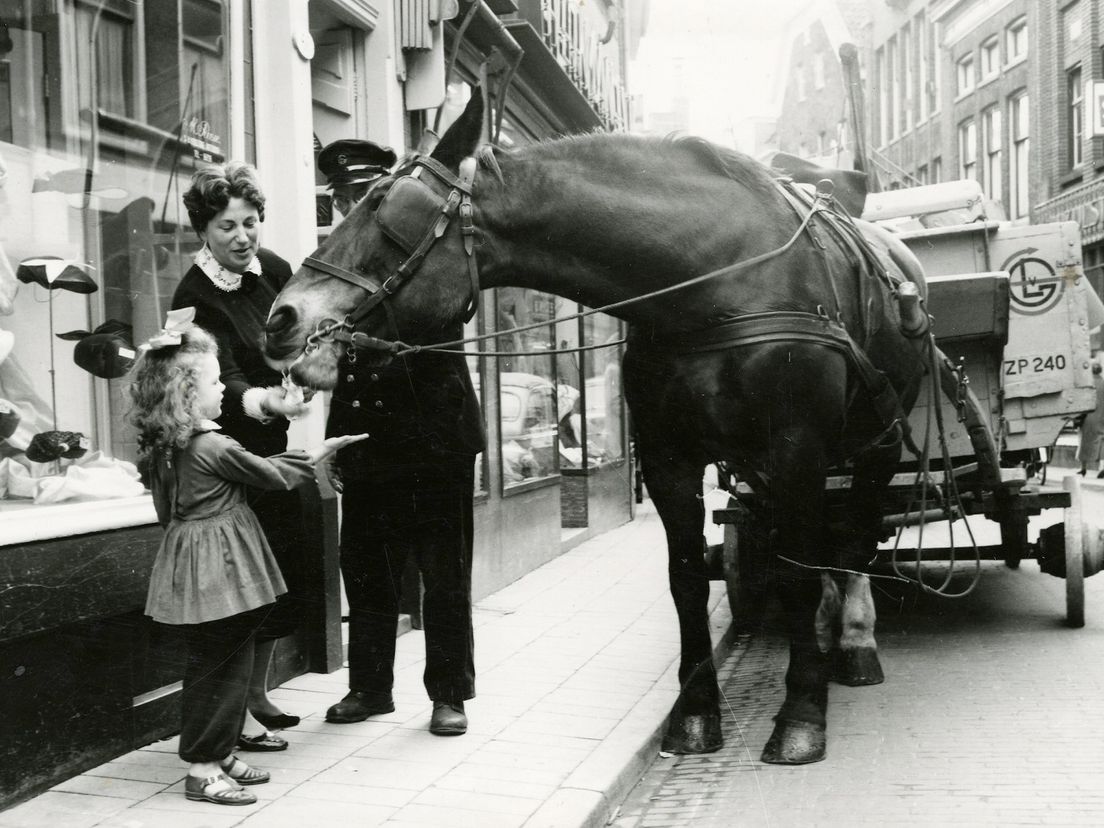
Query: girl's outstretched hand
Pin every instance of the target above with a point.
(333, 444)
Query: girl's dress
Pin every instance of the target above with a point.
(214, 561)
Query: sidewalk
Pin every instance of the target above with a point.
(576, 672)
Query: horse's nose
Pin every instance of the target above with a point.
(281, 322)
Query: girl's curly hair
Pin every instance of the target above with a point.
(163, 394)
(213, 187)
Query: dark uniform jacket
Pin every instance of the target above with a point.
(421, 412)
(237, 319)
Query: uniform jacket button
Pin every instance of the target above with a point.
(379, 403)
(356, 403)
(375, 377)
(349, 378)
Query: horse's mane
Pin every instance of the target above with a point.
(673, 150)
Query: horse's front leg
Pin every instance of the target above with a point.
(675, 487)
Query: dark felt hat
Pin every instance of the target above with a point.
(354, 161)
(106, 352)
(53, 273)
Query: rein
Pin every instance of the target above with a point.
(359, 340)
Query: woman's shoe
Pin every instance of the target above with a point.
(218, 789)
(242, 773)
(266, 742)
(281, 721)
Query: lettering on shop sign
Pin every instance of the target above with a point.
(206, 144)
(1034, 285)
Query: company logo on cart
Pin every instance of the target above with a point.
(1034, 286)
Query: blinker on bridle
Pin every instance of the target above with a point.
(457, 202)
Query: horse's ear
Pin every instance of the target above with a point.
(463, 135)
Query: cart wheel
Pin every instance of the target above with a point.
(1075, 557)
(746, 579)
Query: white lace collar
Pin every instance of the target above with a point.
(222, 278)
(209, 425)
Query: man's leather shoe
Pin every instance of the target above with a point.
(358, 705)
(448, 719)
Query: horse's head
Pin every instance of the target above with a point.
(400, 266)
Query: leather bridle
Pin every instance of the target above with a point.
(458, 202)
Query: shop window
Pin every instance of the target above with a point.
(527, 385)
(590, 408)
(106, 109)
(472, 329)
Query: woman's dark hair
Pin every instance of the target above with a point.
(213, 187)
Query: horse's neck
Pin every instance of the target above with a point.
(598, 256)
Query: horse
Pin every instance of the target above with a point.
(764, 330)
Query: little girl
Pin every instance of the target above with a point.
(214, 575)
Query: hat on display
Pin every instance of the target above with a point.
(107, 352)
(56, 274)
(354, 161)
(52, 445)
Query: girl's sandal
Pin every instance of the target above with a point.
(218, 789)
(242, 773)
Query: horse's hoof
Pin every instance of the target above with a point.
(795, 743)
(857, 667)
(694, 734)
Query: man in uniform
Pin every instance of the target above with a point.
(350, 167)
(406, 492)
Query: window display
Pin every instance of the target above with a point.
(106, 109)
(528, 424)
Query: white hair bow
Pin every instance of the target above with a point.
(176, 323)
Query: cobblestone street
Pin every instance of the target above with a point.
(989, 716)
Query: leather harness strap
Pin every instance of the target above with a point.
(790, 326)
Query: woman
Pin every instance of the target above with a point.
(232, 285)
(1092, 426)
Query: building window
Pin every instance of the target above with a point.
(893, 81)
(1073, 20)
(818, 70)
(882, 109)
(106, 109)
(1015, 40)
(965, 74)
(936, 170)
(936, 85)
(1019, 168)
(906, 79)
(799, 79)
(991, 124)
(967, 150)
(990, 58)
(922, 174)
(1075, 116)
(923, 61)
(822, 142)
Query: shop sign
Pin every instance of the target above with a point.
(1084, 205)
(206, 144)
(579, 51)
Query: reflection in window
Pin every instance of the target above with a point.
(106, 109)
(527, 386)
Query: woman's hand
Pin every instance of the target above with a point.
(332, 445)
